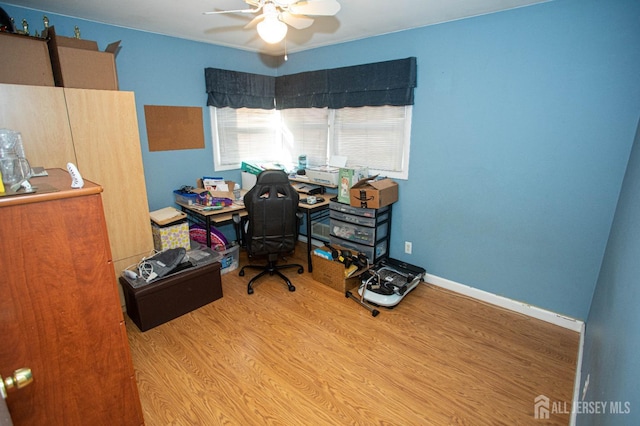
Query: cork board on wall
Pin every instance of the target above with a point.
(170, 127)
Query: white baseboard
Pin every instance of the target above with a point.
(504, 302)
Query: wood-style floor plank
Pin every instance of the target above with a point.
(314, 357)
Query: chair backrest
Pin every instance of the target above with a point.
(271, 207)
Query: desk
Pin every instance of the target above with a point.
(224, 216)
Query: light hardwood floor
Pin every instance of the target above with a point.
(314, 357)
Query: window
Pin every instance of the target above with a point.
(244, 133)
(377, 137)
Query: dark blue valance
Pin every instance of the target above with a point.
(381, 83)
(239, 89)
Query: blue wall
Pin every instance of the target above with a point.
(611, 342)
(522, 127)
(523, 124)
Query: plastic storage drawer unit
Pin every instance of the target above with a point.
(363, 229)
(373, 254)
(358, 211)
(359, 220)
(357, 233)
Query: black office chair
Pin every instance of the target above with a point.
(273, 224)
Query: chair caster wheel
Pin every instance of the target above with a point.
(375, 312)
(249, 291)
(300, 270)
(292, 288)
(241, 273)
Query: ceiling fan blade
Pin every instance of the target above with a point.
(254, 22)
(315, 7)
(218, 12)
(298, 22)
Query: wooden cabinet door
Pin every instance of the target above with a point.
(60, 316)
(107, 145)
(40, 114)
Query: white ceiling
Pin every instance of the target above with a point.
(357, 19)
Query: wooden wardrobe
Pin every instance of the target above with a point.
(97, 130)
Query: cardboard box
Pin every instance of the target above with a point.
(205, 184)
(373, 194)
(252, 168)
(257, 167)
(170, 236)
(79, 64)
(331, 273)
(347, 177)
(25, 60)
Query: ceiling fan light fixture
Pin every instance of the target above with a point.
(272, 30)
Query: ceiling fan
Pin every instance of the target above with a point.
(277, 14)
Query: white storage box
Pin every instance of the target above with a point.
(248, 180)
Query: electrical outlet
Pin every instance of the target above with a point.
(408, 247)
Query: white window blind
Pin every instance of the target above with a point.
(305, 131)
(376, 137)
(244, 133)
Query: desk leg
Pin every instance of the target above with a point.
(309, 239)
(208, 230)
(237, 225)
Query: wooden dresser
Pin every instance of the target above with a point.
(60, 312)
